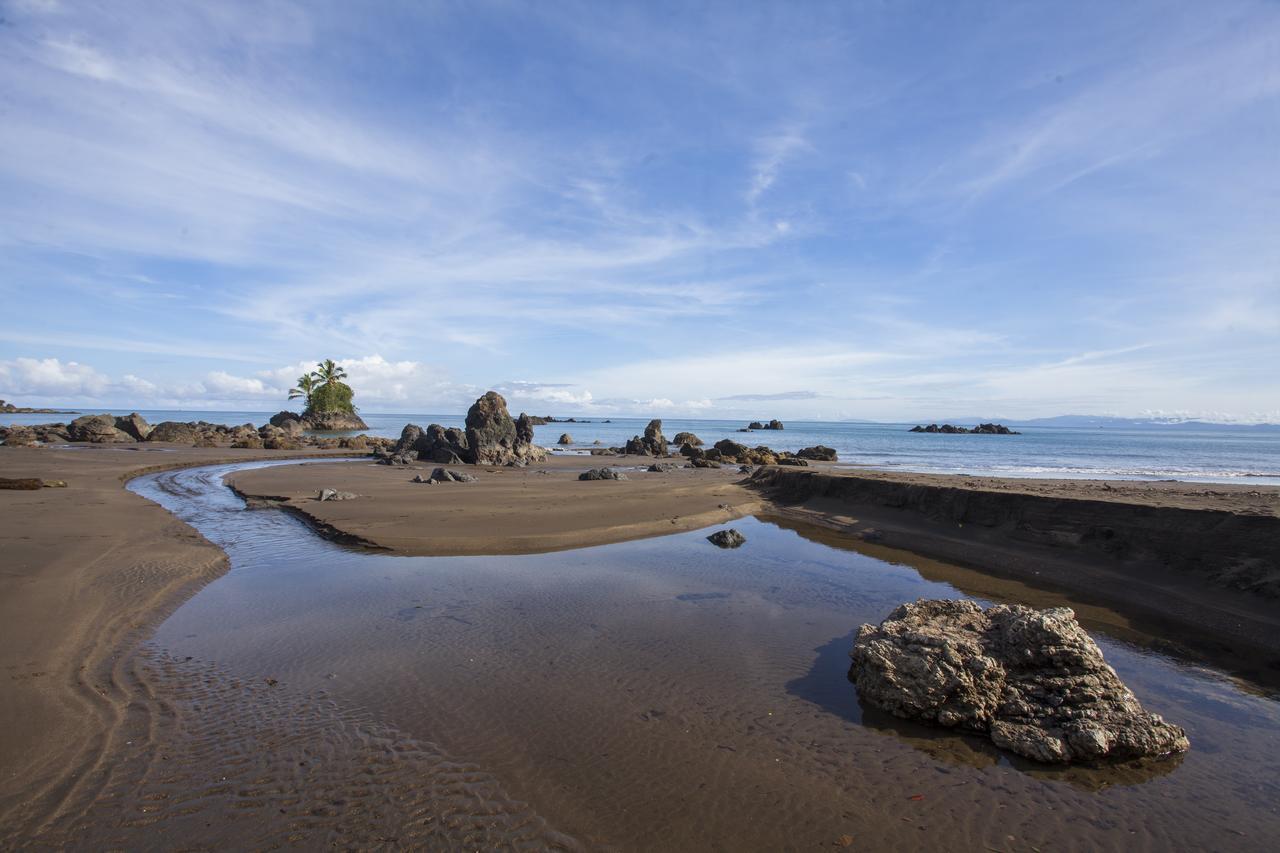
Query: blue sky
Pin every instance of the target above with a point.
(873, 210)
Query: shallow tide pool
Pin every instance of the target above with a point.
(657, 694)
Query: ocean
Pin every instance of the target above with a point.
(1194, 454)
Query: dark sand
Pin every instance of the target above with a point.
(91, 569)
(507, 510)
(87, 570)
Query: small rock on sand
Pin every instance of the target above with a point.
(602, 474)
(334, 495)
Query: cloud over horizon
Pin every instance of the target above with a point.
(861, 211)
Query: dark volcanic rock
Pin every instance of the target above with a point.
(818, 453)
(283, 417)
(19, 436)
(494, 438)
(173, 431)
(730, 538)
(652, 443)
(980, 429)
(602, 474)
(444, 475)
(793, 461)
(1032, 680)
(333, 421)
(683, 438)
(565, 438)
(21, 484)
(754, 425)
(135, 425)
(662, 467)
(98, 429)
(774, 424)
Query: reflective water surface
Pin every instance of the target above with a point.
(659, 694)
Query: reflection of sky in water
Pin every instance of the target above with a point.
(694, 627)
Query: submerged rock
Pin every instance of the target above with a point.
(730, 538)
(1032, 680)
(602, 474)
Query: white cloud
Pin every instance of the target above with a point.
(49, 377)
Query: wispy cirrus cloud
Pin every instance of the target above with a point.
(995, 212)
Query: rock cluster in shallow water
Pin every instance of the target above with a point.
(1032, 680)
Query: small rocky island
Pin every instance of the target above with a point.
(328, 401)
(980, 429)
(1032, 680)
(773, 424)
(11, 409)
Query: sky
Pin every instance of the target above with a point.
(881, 210)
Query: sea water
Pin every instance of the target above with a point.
(1159, 452)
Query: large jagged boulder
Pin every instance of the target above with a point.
(282, 418)
(97, 429)
(333, 421)
(135, 425)
(683, 438)
(447, 446)
(652, 443)
(494, 438)
(18, 436)
(173, 431)
(731, 450)
(1032, 680)
(818, 453)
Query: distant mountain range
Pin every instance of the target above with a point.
(1105, 422)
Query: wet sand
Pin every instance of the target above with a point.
(87, 570)
(91, 569)
(507, 510)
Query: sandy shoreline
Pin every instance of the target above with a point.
(91, 568)
(88, 569)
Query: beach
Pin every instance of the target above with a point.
(93, 568)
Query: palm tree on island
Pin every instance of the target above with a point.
(329, 372)
(327, 398)
(304, 389)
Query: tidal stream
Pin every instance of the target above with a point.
(651, 695)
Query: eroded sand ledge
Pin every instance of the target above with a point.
(1199, 562)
